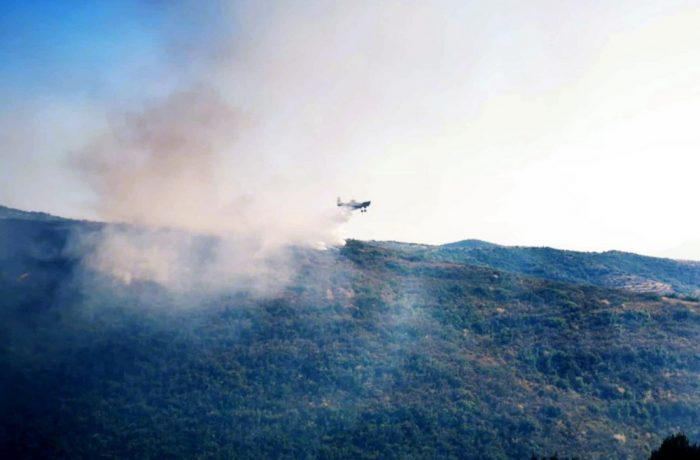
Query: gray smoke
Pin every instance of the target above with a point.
(204, 211)
(268, 116)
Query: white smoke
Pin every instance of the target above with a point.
(205, 211)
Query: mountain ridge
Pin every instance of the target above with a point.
(12, 213)
(613, 269)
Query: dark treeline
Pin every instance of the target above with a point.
(674, 447)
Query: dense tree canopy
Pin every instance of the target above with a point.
(371, 352)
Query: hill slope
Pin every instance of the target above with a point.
(370, 353)
(612, 269)
(11, 213)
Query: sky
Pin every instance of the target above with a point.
(569, 124)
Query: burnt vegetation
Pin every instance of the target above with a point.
(376, 350)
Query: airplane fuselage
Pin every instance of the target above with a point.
(354, 205)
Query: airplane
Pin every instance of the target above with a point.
(353, 205)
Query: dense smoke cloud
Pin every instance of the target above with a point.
(157, 167)
(213, 195)
(205, 211)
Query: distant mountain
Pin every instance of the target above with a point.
(612, 269)
(470, 244)
(10, 213)
(374, 350)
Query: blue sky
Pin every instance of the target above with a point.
(72, 47)
(59, 63)
(102, 49)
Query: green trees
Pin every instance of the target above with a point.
(372, 352)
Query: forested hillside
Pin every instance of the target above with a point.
(614, 269)
(373, 351)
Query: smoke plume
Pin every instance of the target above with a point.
(211, 195)
(204, 211)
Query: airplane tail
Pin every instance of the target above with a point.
(339, 202)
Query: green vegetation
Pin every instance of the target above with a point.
(372, 352)
(612, 269)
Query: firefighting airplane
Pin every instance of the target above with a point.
(353, 205)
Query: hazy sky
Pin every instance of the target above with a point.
(563, 123)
